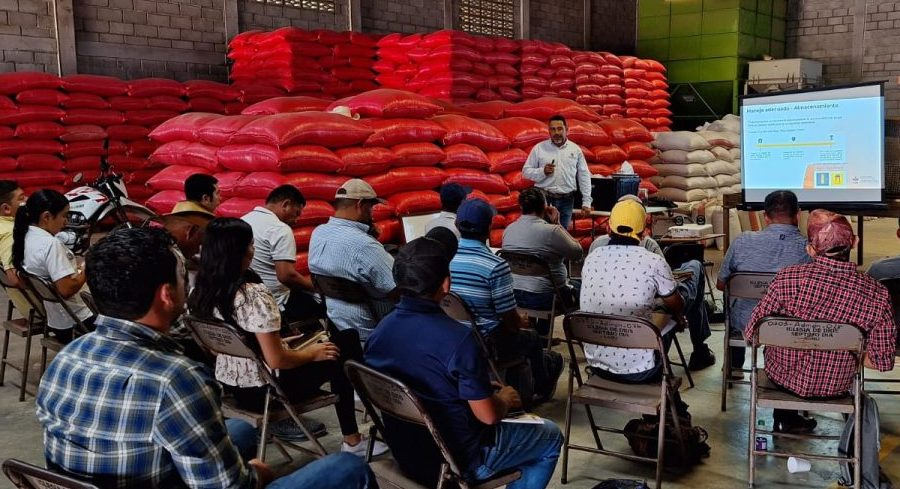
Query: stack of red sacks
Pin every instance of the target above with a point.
(599, 82)
(294, 61)
(53, 128)
(546, 70)
(646, 93)
(450, 65)
(405, 145)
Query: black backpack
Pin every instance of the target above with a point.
(621, 484)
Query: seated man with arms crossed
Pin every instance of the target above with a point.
(444, 365)
(828, 289)
(779, 245)
(123, 407)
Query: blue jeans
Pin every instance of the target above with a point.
(542, 301)
(337, 471)
(692, 291)
(530, 448)
(564, 206)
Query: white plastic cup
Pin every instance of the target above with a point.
(798, 465)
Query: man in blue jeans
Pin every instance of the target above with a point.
(441, 361)
(123, 407)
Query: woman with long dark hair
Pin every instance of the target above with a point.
(38, 252)
(227, 289)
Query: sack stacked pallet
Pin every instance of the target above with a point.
(53, 128)
(724, 137)
(290, 60)
(598, 82)
(450, 65)
(682, 166)
(547, 70)
(646, 93)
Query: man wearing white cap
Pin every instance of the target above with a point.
(343, 248)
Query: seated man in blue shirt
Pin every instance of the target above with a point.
(123, 407)
(485, 282)
(441, 361)
(778, 245)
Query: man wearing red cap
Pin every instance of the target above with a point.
(827, 289)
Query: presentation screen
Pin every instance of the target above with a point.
(826, 145)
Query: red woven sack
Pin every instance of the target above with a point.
(229, 182)
(215, 130)
(417, 154)
(187, 153)
(166, 102)
(507, 161)
(16, 82)
(8, 163)
(33, 162)
(365, 161)
(149, 117)
(522, 131)
(257, 185)
(389, 103)
(546, 107)
(93, 116)
(326, 129)
(505, 203)
(302, 236)
(41, 96)
(384, 211)
(130, 163)
(38, 146)
(210, 89)
(624, 130)
(84, 132)
(39, 130)
(280, 105)
(317, 186)
(487, 110)
(465, 156)
(588, 133)
(406, 179)
(391, 132)
(104, 86)
(151, 87)
(599, 169)
(609, 155)
(206, 104)
(126, 132)
(259, 157)
(315, 212)
(638, 151)
(641, 168)
(416, 202)
(85, 101)
(461, 129)
(83, 148)
(486, 182)
(30, 113)
(173, 177)
(163, 202)
(237, 207)
(142, 148)
(516, 181)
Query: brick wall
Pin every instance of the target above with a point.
(558, 21)
(826, 32)
(181, 39)
(27, 41)
(614, 26)
(406, 16)
(257, 15)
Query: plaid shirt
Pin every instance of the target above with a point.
(828, 290)
(123, 404)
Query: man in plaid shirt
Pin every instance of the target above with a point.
(123, 407)
(828, 289)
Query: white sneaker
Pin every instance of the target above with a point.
(360, 448)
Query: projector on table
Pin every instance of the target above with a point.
(690, 231)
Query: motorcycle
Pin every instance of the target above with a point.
(100, 205)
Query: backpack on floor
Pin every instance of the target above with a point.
(642, 437)
(621, 484)
(872, 476)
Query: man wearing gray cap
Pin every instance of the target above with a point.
(443, 363)
(343, 248)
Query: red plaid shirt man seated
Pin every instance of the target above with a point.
(828, 289)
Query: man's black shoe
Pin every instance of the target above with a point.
(701, 358)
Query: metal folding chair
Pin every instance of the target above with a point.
(26, 476)
(741, 285)
(797, 334)
(893, 286)
(382, 393)
(532, 265)
(456, 308)
(46, 291)
(32, 322)
(344, 290)
(88, 300)
(646, 399)
(220, 338)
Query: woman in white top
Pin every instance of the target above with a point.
(38, 252)
(227, 289)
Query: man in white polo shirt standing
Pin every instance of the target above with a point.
(557, 167)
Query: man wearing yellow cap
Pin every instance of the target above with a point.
(624, 278)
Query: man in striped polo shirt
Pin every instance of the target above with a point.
(484, 281)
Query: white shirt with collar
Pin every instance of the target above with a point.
(48, 258)
(444, 219)
(273, 241)
(571, 171)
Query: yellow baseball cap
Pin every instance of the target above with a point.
(628, 218)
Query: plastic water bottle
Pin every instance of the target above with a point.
(763, 441)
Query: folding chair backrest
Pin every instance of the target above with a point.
(749, 285)
(341, 289)
(799, 334)
(4, 281)
(680, 253)
(456, 308)
(46, 291)
(26, 476)
(88, 300)
(614, 331)
(29, 296)
(526, 264)
(219, 338)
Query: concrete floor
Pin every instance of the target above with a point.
(20, 433)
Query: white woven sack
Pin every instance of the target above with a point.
(683, 140)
